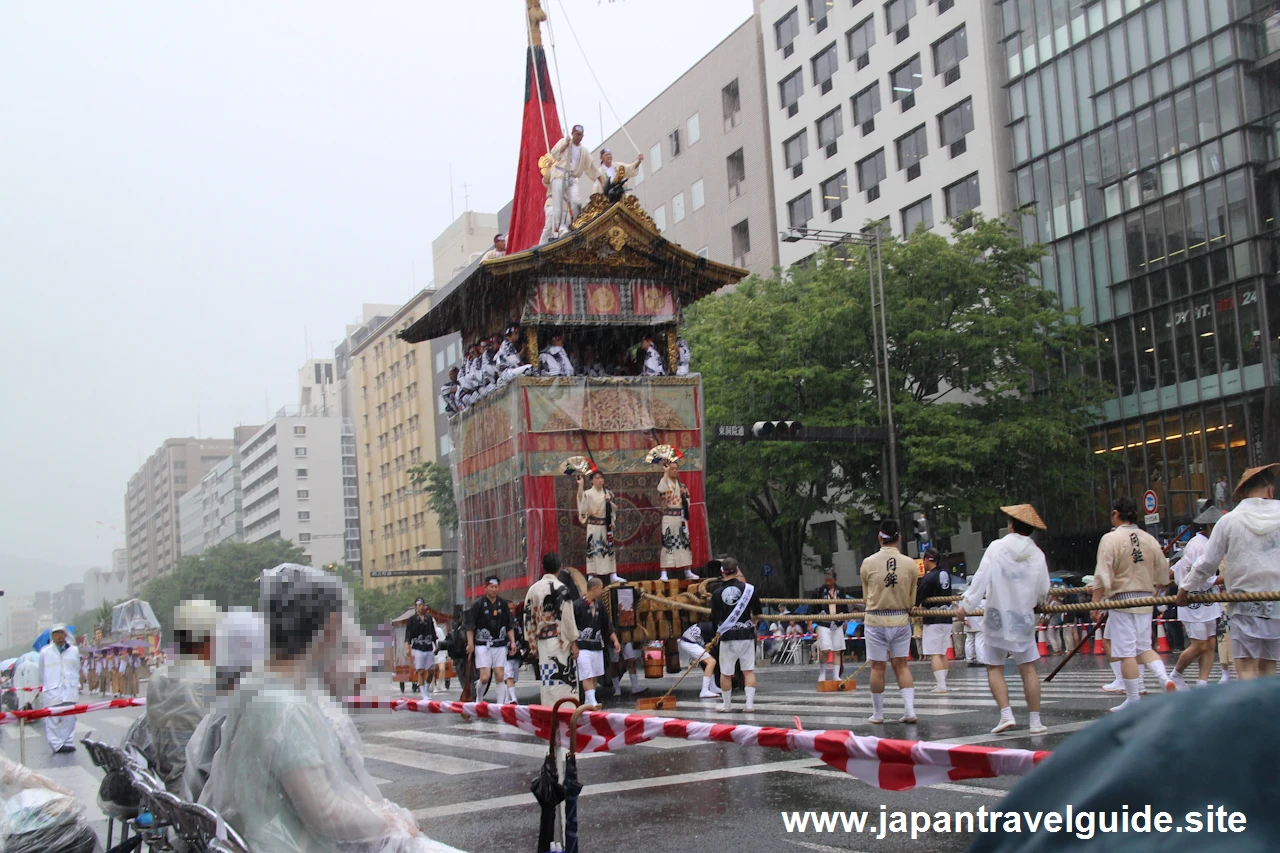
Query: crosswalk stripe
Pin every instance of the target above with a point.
(426, 761)
(483, 744)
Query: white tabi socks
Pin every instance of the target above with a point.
(751, 699)
(1006, 721)
(1132, 692)
(908, 705)
(877, 708)
(1117, 683)
(591, 697)
(708, 688)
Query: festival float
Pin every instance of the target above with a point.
(609, 283)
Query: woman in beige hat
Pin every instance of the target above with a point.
(1014, 578)
(1248, 539)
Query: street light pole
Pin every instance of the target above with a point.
(880, 336)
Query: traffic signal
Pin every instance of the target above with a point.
(776, 430)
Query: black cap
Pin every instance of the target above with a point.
(419, 600)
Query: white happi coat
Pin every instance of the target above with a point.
(1014, 578)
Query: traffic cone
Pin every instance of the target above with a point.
(1098, 647)
(1042, 642)
(1162, 642)
(951, 651)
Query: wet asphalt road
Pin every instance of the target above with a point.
(468, 781)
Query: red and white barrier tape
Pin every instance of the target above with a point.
(68, 710)
(895, 765)
(23, 689)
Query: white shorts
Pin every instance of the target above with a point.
(423, 660)
(936, 637)
(689, 652)
(629, 651)
(590, 663)
(737, 654)
(1200, 630)
(1130, 633)
(512, 671)
(885, 643)
(1246, 646)
(830, 638)
(491, 657)
(996, 656)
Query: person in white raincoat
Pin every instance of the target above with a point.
(1248, 539)
(1014, 578)
(289, 776)
(60, 685)
(179, 695)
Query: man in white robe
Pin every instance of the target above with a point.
(60, 685)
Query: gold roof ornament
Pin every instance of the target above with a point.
(536, 17)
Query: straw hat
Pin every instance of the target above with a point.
(1025, 513)
(1210, 515)
(1249, 475)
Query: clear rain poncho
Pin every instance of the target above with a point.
(289, 776)
(39, 816)
(178, 697)
(1014, 578)
(239, 644)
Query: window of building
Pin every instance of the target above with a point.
(818, 10)
(920, 213)
(794, 150)
(440, 362)
(300, 430)
(825, 542)
(740, 241)
(830, 128)
(736, 168)
(912, 148)
(731, 104)
(698, 195)
(694, 128)
(677, 208)
(299, 451)
(835, 190)
(947, 53)
(861, 38)
(961, 198)
(871, 171)
(673, 140)
(790, 89)
(659, 217)
(865, 106)
(446, 445)
(655, 157)
(304, 494)
(954, 125)
(905, 79)
(800, 210)
(179, 465)
(303, 538)
(300, 473)
(896, 15)
(304, 515)
(785, 32)
(825, 65)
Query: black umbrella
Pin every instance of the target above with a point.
(549, 793)
(572, 787)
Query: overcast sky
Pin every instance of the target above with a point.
(191, 192)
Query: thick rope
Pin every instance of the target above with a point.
(1082, 607)
(942, 599)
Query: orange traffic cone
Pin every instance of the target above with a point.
(1162, 641)
(951, 651)
(1042, 642)
(1098, 647)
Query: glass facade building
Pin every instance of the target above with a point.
(1141, 139)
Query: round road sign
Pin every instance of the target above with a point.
(1149, 501)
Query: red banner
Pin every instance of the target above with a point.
(604, 300)
(553, 297)
(648, 299)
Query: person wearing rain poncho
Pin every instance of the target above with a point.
(60, 685)
(289, 776)
(1248, 539)
(179, 695)
(239, 644)
(1014, 578)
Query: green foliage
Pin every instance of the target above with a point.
(226, 573)
(437, 481)
(965, 317)
(379, 606)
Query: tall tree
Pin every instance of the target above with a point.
(988, 406)
(437, 481)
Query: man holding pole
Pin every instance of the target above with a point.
(830, 634)
(733, 607)
(1014, 579)
(1131, 564)
(1248, 539)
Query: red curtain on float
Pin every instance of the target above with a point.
(539, 131)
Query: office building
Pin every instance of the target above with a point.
(68, 603)
(21, 621)
(1141, 139)
(394, 431)
(888, 112)
(372, 316)
(152, 519)
(213, 512)
(706, 175)
(105, 585)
